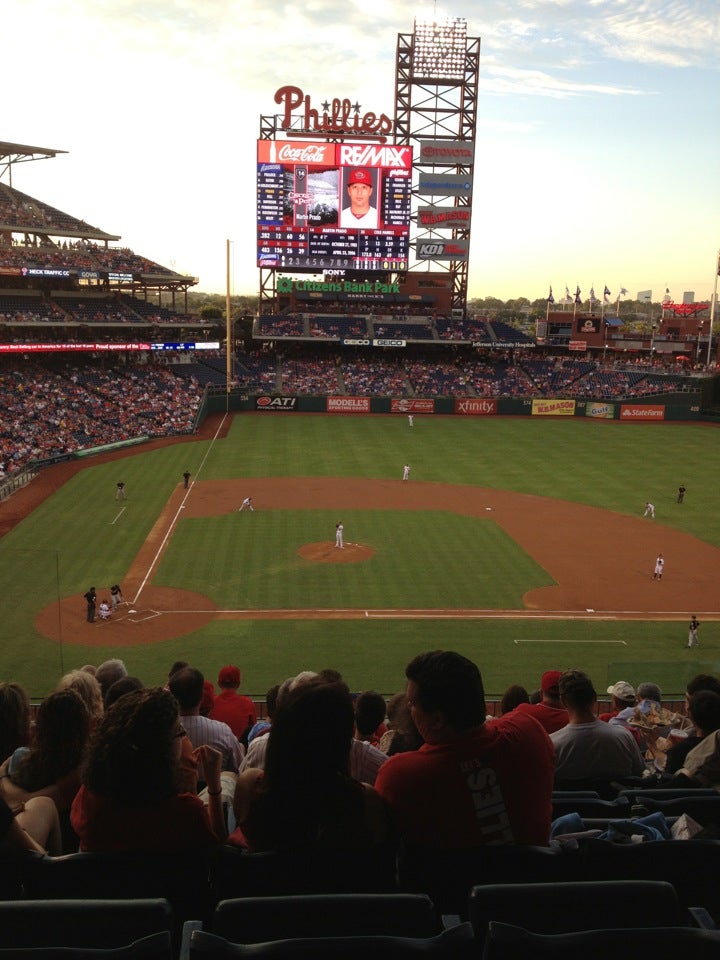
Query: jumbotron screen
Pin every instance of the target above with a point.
(326, 206)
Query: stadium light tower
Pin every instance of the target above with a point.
(436, 90)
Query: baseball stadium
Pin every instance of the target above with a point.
(529, 448)
(437, 542)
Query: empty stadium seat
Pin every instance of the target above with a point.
(507, 942)
(75, 924)
(456, 943)
(568, 907)
(256, 919)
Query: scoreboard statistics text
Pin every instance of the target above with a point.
(304, 221)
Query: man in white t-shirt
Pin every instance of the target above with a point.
(359, 214)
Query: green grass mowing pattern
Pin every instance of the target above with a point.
(423, 559)
(74, 539)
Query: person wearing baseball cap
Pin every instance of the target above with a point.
(358, 213)
(623, 696)
(231, 707)
(549, 712)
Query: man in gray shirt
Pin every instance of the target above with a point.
(587, 748)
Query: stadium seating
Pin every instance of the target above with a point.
(507, 942)
(76, 924)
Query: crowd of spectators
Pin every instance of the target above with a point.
(441, 378)
(372, 376)
(311, 375)
(338, 327)
(76, 256)
(52, 410)
(87, 405)
(111, 765)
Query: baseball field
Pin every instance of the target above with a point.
(519, 542)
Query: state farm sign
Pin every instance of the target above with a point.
(642, 411)
(476, 408)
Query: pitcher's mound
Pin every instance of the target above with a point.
(326, 552)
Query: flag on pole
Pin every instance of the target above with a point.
(551, 298)
(577, 295)
(593, 298)
(606, 294)
(623, 292)
(568, 298)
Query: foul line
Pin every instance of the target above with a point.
(552, 640)
(118, 516)
(174, 520)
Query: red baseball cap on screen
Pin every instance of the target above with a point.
(360, 175)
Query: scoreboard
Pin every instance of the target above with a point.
(303, 199)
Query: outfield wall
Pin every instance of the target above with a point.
(671, 407)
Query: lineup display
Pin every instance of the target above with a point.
(333, 206)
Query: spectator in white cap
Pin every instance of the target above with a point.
(622, 696)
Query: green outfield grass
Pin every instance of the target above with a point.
(423, 560)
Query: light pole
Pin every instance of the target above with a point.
(699, 332)
(652, 340)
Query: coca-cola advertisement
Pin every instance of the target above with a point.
(333, 205)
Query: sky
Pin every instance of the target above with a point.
(597, 160)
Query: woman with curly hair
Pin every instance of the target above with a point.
(131, 796)
(88, 688)
(51, 765)
(306, 796)
(14, 719)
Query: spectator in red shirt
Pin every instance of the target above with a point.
(471, 782)
(231, 707)
(550, 711)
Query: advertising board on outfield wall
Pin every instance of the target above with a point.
(482, 407)
(553, 408)
(600, 411)
(404, 405)
(348, 404)
(642, 411)
(276, 404)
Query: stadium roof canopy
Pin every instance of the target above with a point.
(23, 150)
(11, 153)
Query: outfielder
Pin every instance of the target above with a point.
(246, 504)
(406, 472)
(649, 510)
(339, 535)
